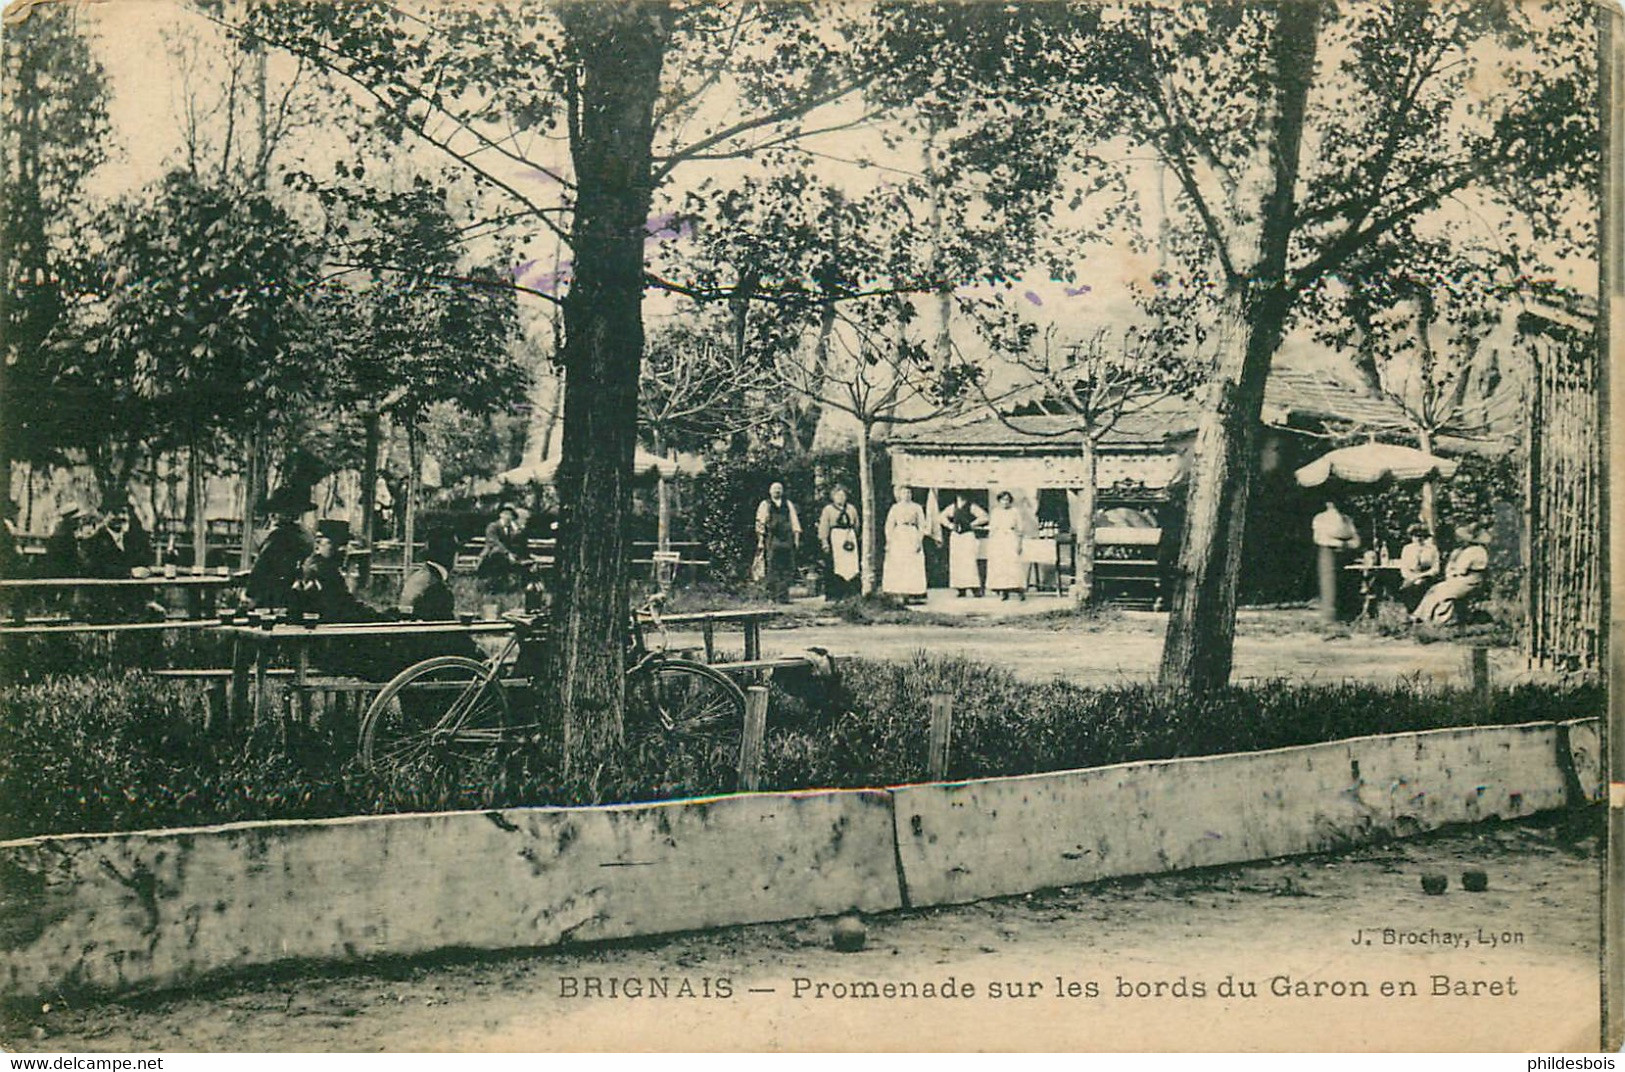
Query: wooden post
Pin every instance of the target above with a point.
(942, 729)
(750, 745)
(1478, 672)
(236, 717)
(708, 629)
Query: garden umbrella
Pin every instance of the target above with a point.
(1369, 463)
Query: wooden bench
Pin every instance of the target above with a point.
(319, 699)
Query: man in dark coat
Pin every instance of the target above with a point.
(427, 594)
(118, 548)
(62, 558)
(325, 590)
(283, 551)
(499, 564)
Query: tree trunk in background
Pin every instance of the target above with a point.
(662, 502)
(1198, 649)
(411, 506)
(1085, 550)
(369, 494)
(253, 476)
(197, 504)
(618, 52)
(867, 522)
(1430, 486)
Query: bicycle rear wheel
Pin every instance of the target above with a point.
(688, 700)
(446, 713)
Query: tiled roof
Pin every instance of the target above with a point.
(1293, 398)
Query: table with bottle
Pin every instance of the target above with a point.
(1379, 578)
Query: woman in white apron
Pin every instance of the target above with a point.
(1006, 571)
(904, 570)
(963, 519)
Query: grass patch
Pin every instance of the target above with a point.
(83, 754)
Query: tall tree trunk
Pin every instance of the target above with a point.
(369, 493)
(662, 502)
(618, 51)
(1085, 536)
(1198, 650)
(197, 506)
(255, 477)
(870, 535)
(413, 477)
(1430, 486)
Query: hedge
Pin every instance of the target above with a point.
(83, 754)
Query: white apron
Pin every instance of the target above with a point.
(1006, 571)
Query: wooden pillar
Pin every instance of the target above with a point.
(750, 744)
(942, 730)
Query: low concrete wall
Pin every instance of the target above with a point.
(130, 911)
(963, 842)
(120, 911)
(1588, 757)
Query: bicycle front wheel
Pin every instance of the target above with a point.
(445, 713)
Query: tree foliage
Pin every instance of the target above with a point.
(54, 134)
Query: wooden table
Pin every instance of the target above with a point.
(252, 646)
(708, 620)
(1374, 578)
(200, 589)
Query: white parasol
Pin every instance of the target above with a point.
(1369, 463)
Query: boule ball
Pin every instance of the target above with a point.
(1433, 885)
(1474, 880)
(849, 934)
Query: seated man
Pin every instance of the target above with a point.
(321, 588)
(283, 551)
(1418, 566)
(117, 550)
(427, 596)
(1464, 576)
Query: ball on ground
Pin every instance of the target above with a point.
(1433, 885)
(1474, 880)
(849, 934)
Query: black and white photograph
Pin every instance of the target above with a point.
(852, 525)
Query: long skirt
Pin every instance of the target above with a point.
(904, 569)
(1443, 603)
(963, 571)
(1006, 572)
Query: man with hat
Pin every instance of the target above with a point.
(325, 591)
(283, 550)
(499, 561)
(427, 594)
(118, 547)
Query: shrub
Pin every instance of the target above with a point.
(126, 752)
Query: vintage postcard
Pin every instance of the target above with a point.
(690, 525)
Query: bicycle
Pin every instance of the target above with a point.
(410, 725)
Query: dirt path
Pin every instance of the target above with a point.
(1269, 645)
(1275, 926)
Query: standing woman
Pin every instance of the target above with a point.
(1006, 572)
(963, 519)
(904, 573)
(838, 536)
